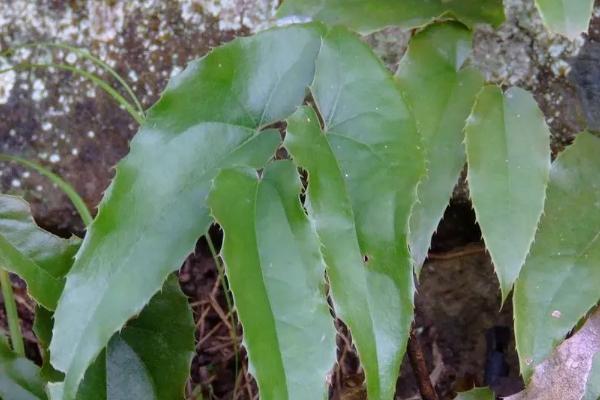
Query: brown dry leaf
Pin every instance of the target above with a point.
(565, 374)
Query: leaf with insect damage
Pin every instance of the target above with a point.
(277, 276)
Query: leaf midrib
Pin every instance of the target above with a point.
(363, 270)
(100, 302)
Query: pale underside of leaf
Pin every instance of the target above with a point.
(126, 375)
(508, 154)
(117, 374)
(37, 256)
(149, 359)
(559, 282)
(568, 374)
(276, 274)
(19, 378)
(567, 17)
(441, 94)
(154, 210)
(362, 178)
(370, 15)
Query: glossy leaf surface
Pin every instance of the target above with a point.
(149, 359)
(567, 17)
(277, 276)
(508, 153)
(19, 378)
(154, 211)
(362, 178)
(37, 256)
(441, 94)
(377, 154)
(371, 15)
(559, 281)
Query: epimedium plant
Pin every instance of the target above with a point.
(373, 159)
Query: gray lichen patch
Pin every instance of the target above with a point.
(64, 121)
(522, 47)
(522, 52)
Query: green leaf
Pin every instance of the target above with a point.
(42, 328)
(559, 281)
(149, 359)
(568, 371)
(19, 378)
(441, 94)
(567, 17)
(508, 152)
(476, 394)
(370, 15)
(37, 256)
(163, 338)
(276, 273)
(362, 181)
(209, 117)
(94, 385)
(592, 390)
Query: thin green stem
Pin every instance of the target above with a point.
(87, 55)
(94, 78)
(228, 299)
(71, 193)
(12, 316)
(98, 62)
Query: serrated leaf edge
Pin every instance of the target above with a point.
(533, 234)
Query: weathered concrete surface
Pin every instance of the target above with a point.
(66, 123)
